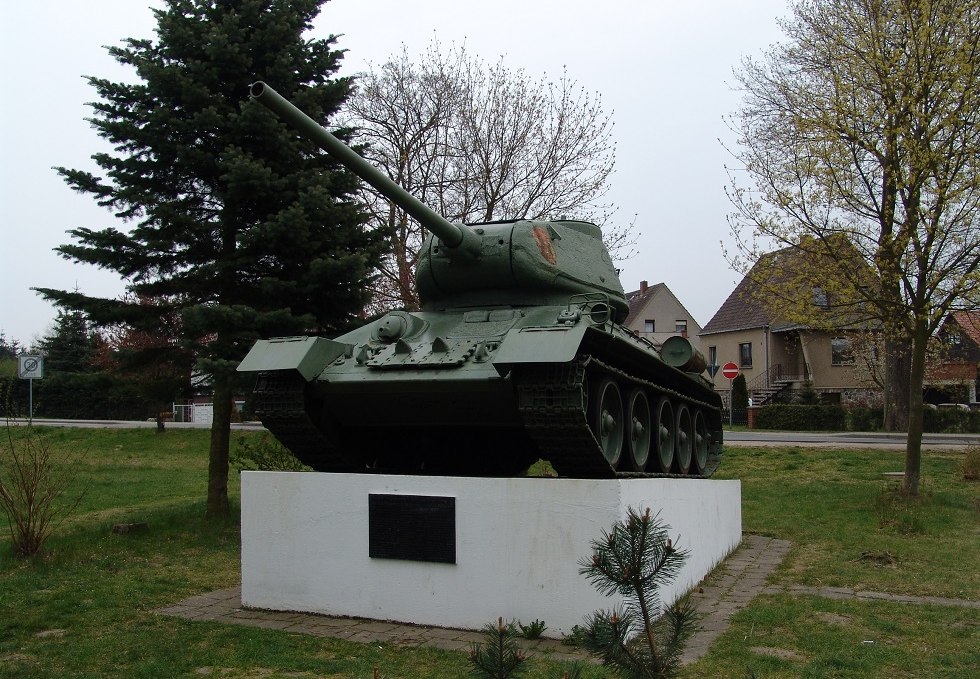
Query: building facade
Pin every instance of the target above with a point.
(656, 314)
(779, 357)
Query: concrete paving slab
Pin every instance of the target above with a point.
(731, 587)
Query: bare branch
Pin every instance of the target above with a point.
(480, 143)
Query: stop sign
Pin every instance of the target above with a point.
(730, 370)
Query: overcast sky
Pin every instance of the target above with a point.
(663, 68)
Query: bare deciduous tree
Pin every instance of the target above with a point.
(479, 144)
(865, 125)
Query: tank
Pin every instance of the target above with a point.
(517, 354)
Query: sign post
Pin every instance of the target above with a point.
(730, 370)
(30, 368)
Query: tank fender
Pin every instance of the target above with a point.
(307, 355)
(545, 344)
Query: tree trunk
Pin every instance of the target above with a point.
(913, 444)
(218, 456)
(897, 384)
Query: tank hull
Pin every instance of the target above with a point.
(484, 391)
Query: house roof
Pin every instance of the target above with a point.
(639, 298)
(969, 322)
(754, 304)
(741, 311)
(951, 372)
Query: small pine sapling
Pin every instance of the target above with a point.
(500, 657)
(532, 630)
(634, 560)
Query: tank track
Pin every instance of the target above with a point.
(281, 404)
(552, 402)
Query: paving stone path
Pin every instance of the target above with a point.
(730, 588)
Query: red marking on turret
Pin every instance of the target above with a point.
(543, 239)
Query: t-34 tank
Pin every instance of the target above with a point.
(518, 353)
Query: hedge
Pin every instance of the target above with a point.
(951, 421)
(801, 418)
(836, 418)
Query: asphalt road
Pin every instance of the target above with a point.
(734, 438)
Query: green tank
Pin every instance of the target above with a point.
(518, 354)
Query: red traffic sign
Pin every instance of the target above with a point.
(730, 370)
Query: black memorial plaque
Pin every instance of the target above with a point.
(412, 527)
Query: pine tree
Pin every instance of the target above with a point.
(8, 348)
(238, 226)
(500, 657)
(14, 394)
(634, 560)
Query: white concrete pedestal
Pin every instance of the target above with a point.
(518, 545)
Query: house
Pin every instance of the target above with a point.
(656, 314)
(830, 351)
(952, 377)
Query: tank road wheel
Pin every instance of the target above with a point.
(665, 429)
(607, 420)
(639, 431)
(685, 440)
(701, 440)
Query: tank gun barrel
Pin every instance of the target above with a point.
(452, 235)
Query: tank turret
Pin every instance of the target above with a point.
(533, 262)
(517, 354)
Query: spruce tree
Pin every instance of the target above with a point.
(71, 346)
(236, 225)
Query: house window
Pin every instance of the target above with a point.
(745, 354)
(840, 351)
(649, 325)
(712, 355)
(680, 327)
(952, 338)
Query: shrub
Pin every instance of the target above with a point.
(32, 480)
(807, 396)
(740, 393)
(264, 453)
(970, 466)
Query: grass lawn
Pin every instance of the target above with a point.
(85, 608)
(849, 529)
